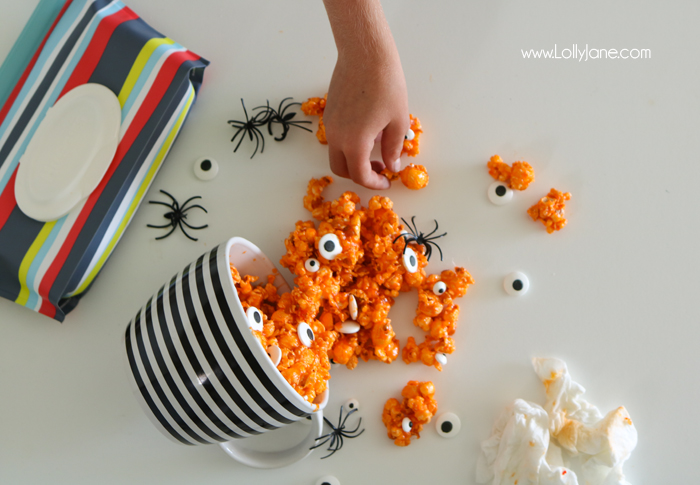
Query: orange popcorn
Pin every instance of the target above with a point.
(410, 147)
(550, 210)
(413, 176)
(407, 418)
(316, 106)
(517, 177)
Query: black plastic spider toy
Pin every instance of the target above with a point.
(283, 118)
(177, 215)
(336, 436)
(418, 237)
(250, 127)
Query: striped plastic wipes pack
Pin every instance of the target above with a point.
(48, 266)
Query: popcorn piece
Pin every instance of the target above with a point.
(411, 147)
(415, 177)
(517, 177)
(406, 419)
(550, 210)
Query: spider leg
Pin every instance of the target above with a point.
(192, 207)
(241, 140)
(342, 425)
(415, 229)
(297, 123)
(433, 232)
(356, 427)
(355, 435)
(258, 138)
(171, 197)
(322, 443)
(160, 203)
(168, 234)
(193, 227)
(160, 227)
(179, 223)
(440, 251)
(428, 250)
(190, 200)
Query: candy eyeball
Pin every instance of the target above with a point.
(206, 168)
(516, 283)
(410, 135)
(351, 404)
(410, 260)
(328, 480)
(349, 327)
(275, 354)
(312, 265)
(329, 246)
(439, 288)
(448, 425)
(441, 358)
(352, 307)
(499, 193)
(406, 425)
(255, 318)
(306, 335)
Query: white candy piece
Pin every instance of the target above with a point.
(410, 135)
(448, 425)
(516, 283)
(349, 326)
(352, 306)
(255, 318)
(407, 425)
(206, 168)
(306, 335)
(441, 358)
(439, 288)
(329, 246)
(351, 404)
(499, 193)
(593, 447)
(312, 265)
(410, 260)
(275, 354)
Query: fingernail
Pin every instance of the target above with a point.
(396, 166)
(386, 184)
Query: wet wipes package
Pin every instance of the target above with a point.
(89, 119)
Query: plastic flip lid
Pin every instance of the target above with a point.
(69, 153)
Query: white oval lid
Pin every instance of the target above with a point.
(69, 153)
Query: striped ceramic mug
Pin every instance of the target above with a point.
(198, 371)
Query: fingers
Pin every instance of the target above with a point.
(360, 169)
(339, 165)
(392, 143)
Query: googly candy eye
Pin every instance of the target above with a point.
(329, 246)
(352, 307)
(206, 168)
(441, 358)
(328, 480)
(439, 288)
(351, 405)
(499, 193)
(407, 425)
(516, 283)
(312, 265)
(448, 425)
(306, 335)
(255, 318)
(275, 354)
(410, 135)
(410, 260)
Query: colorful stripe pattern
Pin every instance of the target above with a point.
(194, 365)
(48, 266)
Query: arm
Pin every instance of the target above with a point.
(367, 95)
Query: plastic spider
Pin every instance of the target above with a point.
(420, 238)
(336, 436)
(283, 118)
(177, 215)
(250, 127)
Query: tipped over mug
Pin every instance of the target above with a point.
(198, 371)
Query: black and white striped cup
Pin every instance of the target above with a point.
(198, 371)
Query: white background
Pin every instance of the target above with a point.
(614, 294)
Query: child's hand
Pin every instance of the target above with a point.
(367, 97)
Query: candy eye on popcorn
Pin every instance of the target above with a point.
(329, 246)
(306, 335)
(407, 425)
(312, 265)
(439, 288)
(255, 318)
(410, 260)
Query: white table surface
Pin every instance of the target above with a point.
(614, 294)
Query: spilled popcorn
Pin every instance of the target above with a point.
(566, 442)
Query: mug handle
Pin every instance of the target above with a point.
(277, 459)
